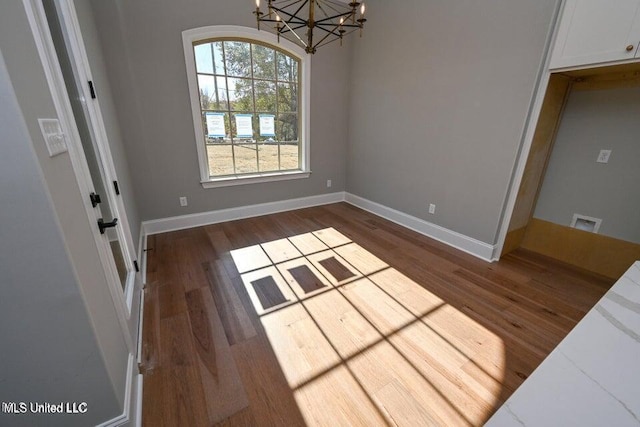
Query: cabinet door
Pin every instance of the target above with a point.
(594, 31)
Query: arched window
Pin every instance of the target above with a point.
(249, 99)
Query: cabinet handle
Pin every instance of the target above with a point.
(629, 48)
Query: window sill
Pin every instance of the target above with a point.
(254, 179)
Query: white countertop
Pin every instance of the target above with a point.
(592, 378)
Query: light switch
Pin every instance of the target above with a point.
(603, 157)
(53, 136)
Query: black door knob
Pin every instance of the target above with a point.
(103, 225)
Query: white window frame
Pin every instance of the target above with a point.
(189, 37)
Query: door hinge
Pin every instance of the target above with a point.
(115, 185)
(92, 90)
(135, 265)
(95, 199)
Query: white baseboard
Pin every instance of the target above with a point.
(137, 421)
(142, 254)
(142, 262)
(140, 327)
(459, 241)
(213, 217)
(497, 251)
(132, 413)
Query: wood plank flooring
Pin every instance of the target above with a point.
(333, 316)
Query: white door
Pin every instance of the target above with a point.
(119, 258)
(596, 31)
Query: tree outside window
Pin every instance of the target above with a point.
(250, 107)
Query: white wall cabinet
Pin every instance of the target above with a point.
(597, 31)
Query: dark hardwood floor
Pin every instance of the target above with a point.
(334, 316)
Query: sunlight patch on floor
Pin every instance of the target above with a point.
(355, 337)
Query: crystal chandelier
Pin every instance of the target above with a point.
(296, 20)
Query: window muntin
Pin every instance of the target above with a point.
(243, 80)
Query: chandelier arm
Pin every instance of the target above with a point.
(319, 3)
(335, 4)
(285, 6)
(341, 11)
(346, 15)
(292, 18)
(331, 28)
(295, 34)
(295, 14)
(330, 5)
(318, 45)
(285, 30)
(329, 33)
(332, 31)
(298, 27)
(299, 24)
(326, 26)
(315, 46)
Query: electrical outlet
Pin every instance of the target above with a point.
(183, 201)
(603, 157)
(432, 208)
(328, 183)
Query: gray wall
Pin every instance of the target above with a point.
(49, 353)
(440, 92)
(142, 43)
(575, 183)
(91, 287)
